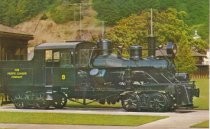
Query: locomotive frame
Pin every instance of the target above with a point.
(84, 70)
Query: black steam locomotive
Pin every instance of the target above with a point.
(84, 70)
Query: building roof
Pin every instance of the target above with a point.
(196, 54)
(6, 31)
(162, 52)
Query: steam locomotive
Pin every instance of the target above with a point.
(78, 70)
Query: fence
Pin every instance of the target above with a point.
(202, 72)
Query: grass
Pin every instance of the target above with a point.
(76, 119)
(204, 124)
(203, 101)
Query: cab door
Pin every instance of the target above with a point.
(59, 70)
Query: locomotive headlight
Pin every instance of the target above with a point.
(171, 49)
(94, 72)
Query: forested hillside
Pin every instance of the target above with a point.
(13, 12)
(196, 12)
(113, 10)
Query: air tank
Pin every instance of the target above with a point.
(135, 52)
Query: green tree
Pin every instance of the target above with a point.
(65, 13)
(184, 61)
(112, 11)
(199, 45)
(168, 25)
(13, 12)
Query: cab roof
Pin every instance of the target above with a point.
(60, 45)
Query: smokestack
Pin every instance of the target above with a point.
(151, 46)
(105, 47)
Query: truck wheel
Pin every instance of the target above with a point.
(41, 103)
(158, 102)
(130, 102)
(143, 102)
(59, 100)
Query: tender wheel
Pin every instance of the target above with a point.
(18, 101)
(59, 100)
(130, 102)
(158, 102)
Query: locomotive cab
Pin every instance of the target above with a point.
(60, 61)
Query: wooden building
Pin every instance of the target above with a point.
(202, 69)
(13, 43)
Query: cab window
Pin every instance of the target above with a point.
(48, 56)
(84, 57)
(56, 56)
(59, 58)
(66, 58)
(52, 58)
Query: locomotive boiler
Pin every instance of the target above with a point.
(84, 70)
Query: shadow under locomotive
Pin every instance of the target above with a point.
(84, 70)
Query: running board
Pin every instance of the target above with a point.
(5, 102)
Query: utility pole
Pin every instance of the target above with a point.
(80, 17)
(75, 14)
(151, 37)
(151, 23)
(102, 29)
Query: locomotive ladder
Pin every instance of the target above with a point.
(49, 92)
